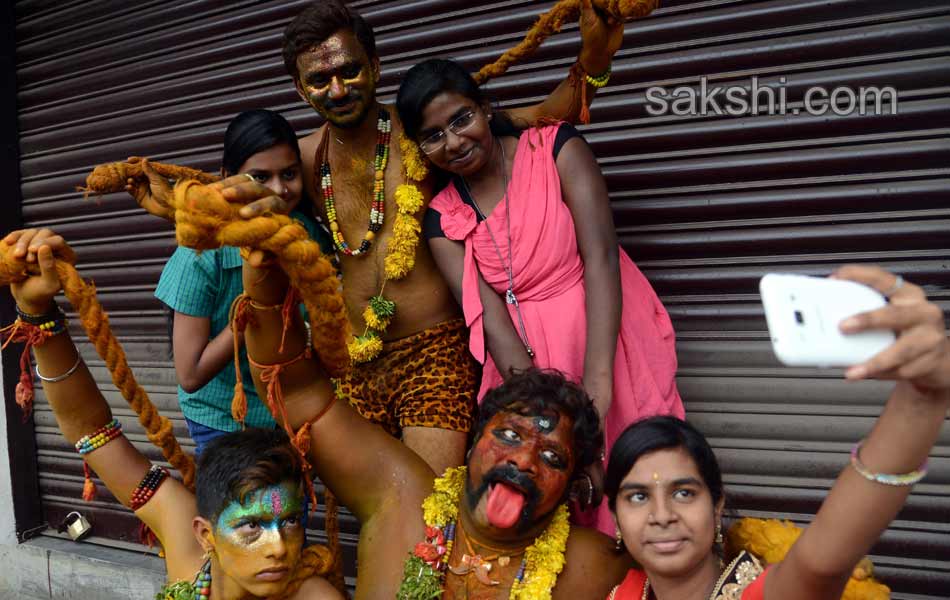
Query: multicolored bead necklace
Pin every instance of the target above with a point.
(203, 581)
(377, 211)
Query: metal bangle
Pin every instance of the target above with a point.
(899, 479)
(65, 375)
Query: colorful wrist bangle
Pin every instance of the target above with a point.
(146, 488)
(598, 81)
(55, 314)
(99, 438)
(901, 479)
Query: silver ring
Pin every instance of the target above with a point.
(249, 176)
(898, 284)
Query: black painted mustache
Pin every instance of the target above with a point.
(511, 475)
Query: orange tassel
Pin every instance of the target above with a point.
(239, 402)
(88, 487)
(239, 317)
(24, 393)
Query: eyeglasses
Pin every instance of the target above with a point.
(437, 140)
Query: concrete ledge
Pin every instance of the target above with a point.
(46, 568)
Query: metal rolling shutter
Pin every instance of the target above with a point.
(705, 205)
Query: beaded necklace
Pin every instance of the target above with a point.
(378, 209)
(203, 581)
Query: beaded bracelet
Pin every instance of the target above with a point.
(54, 314)
(50, 324)
(900, 479)
(147, 487)
(99, 438)
(598, 81)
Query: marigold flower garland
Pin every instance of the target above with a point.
(400, 256)
(425, 568)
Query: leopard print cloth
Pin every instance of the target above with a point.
(425, 380)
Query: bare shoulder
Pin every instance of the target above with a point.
(317, 588)
(591, 567)
(310, 143)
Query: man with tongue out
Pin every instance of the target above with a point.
(534, 436)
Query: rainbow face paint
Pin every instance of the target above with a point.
(258, 542)
(266, 511)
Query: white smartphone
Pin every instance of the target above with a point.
(803, 314)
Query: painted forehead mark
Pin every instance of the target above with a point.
(544, 424)
(275, 501)
(656, 478)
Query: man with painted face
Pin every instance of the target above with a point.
(420, 383)
(495, 529)
(240, 534)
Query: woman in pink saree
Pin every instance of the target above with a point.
(524, 235)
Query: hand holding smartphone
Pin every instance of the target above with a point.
(803, 314)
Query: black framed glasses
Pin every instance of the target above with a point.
(459, 124)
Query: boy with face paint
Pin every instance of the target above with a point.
(534, 436)
(330, 52)
(241, 530)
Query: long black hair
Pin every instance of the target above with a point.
(661, 433)
(423, 82)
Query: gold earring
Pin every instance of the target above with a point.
(718, 533)
(618, 540)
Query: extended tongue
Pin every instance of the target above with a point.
(504, 505)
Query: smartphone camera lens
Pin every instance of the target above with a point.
(799, 317)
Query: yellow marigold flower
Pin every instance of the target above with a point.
(409, 199)
(401, 257)
(412, 160)
(365, 348)
(374, 321)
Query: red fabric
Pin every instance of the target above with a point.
(631, 588)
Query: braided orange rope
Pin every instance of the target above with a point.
(331, 525)
(315, 560)
(95, 321)
(551, 22)
(205, 221)
(112, 177)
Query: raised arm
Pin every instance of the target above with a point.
(585, 194)
(363, 465)
(858, 508)
(501, 338)
(601, 37)
(80, 409)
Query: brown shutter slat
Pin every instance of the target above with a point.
(704, 204)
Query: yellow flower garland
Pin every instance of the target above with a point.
(400, 255)
(544, 558)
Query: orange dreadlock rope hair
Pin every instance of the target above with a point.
(112, 177)
(95, 321)
(551, 22)
(205, 221)
(314, 560)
